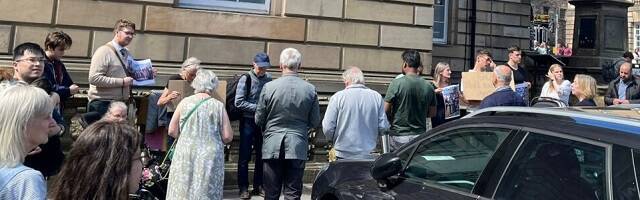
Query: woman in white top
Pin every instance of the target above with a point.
(556, 87)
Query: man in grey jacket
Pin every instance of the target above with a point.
(288, 107)
(250, 135)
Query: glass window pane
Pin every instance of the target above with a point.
(457, 159)
(547, 167)
(253, 1)
(438, 30)
(257, 6)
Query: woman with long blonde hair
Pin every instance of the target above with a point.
(556, 87)
(441, 79)
(584, 88)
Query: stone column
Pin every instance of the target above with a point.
(600, 33)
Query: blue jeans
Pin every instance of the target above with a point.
(250, 140)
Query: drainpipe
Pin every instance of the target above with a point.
(472, 33)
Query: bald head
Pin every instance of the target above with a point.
(625, 71)
(501, 76)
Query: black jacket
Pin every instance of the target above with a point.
(633, 91)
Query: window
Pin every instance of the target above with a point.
(440, 21)
(547, 167)
(636, 41)
(457, 159)
(252, 6)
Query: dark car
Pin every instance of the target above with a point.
(501, 153)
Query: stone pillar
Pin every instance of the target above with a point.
(599, 33)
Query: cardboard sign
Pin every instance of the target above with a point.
(185, 90)
(181, 86)
(221, 91)
(477, 85)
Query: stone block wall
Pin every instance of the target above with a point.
(499, 24)
(331, 34)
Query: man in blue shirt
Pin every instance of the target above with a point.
(354, 118)
(625, 89)
(504, 95)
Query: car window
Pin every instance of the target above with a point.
(457, 158)
(547, 167)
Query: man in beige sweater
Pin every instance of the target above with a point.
(109, 74)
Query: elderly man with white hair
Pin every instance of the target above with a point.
(504, 95)
(288, 107)
(354, 118)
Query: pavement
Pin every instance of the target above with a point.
(233, 194)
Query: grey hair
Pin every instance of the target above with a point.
(117, 104)
(206, 81)
(291, 58)
(354, 75)
(191, 62)
(501, 75)
(20, 104)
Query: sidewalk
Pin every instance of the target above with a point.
(233, 194)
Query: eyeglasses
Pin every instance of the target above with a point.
(131, 33)
(33, 60)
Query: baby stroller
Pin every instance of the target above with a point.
(547, 102)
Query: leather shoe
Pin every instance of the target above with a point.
(258, 192)
(245, 195)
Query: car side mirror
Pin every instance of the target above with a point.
(386, 165)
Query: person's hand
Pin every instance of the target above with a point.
(617, 101)
(74, 89)
(624, 102)
(173, 95)
(128, 81)
(528, 84)
(438, 91)
(550, 76)
(35, 151)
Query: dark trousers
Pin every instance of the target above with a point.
(283, 174)
(250, 140)
(99, 106)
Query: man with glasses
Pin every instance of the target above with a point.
(28, 65)
(110, 76)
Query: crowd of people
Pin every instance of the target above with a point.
(276, 117)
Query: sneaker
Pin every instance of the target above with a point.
(245, 195)
(258, 192)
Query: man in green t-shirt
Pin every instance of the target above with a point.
(410, 99)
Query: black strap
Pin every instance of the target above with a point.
(247, 85)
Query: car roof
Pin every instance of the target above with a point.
(593, 125)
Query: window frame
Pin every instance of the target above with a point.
(528, 131)
(221, 5)
(445, 27)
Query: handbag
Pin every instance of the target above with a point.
(164, 166)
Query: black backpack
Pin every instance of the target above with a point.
(234, 112)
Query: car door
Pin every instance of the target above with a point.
(448, 165)
(556, 166)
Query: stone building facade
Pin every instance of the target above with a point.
(331, 34)
(499, 25)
